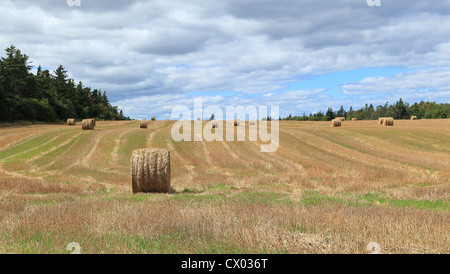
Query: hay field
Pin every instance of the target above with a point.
(326, 190)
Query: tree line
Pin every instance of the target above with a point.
(399, 110)
(46, 96)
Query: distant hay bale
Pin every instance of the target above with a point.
(353, 119)
(199, 118)
(413, 117)
(381, 120)
(236, 122)
(252, 122)
(215, 124)
(150, 170)
(70, 122)
(335, 123)
(143, 123)
(388, 121)
(88, 124)
(153, 118)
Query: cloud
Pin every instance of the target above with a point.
(427, 84)
(133, 49)
(410, 82)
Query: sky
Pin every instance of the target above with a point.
(302, 56)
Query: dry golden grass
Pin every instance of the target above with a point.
(322, 191)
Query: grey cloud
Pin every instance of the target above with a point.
(133, 48)
(173, 41)
(60, 7)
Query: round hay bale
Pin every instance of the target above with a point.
(143, 123)
(340, 118)
(153, 118)
(215, 124)
(95, 122)
(87, 124)
(199, 118)
(252, 122)
(335, 123)
(150, 170)
(381, 120)
(353, 119)
(70, 122)
(388, 121)
(236, 122)
(413, 117)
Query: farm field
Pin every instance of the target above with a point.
(325, 190)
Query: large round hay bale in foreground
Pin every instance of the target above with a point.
(413, 117)
(150, 170)
(335, 123)
(88, 124)
(143, 123)
(70, 122)
(388, 121)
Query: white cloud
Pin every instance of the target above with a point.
(435, 81)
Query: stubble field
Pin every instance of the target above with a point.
(325, 190)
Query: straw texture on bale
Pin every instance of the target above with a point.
(353, 119)
(388, 121)
(71, 122)
(413, 117)
(153, 118)
(95, 122)
(340, 118)
(143, 123)
(150, 170)
(335, 123)
(87, 124)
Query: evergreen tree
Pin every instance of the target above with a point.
(47, 97)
